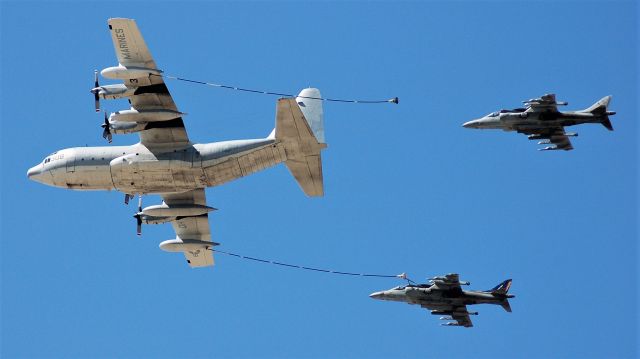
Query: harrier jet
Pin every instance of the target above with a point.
(443, 296)
(541, 120)
(167, 163)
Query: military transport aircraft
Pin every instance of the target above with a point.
(541, 120)
(443, 296)
(166, 162)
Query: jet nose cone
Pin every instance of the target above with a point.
(376, 295)
(470, 124)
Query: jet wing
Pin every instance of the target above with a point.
(546, 103)
(555, 136)
(192, 228)
(461, 316)
(151, 93)
(458, 314)
(450, 282)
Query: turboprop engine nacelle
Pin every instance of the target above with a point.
(163, 210)
(120, 127)
(112, 92)
(126, 73)
(180, 245)
(134, 115)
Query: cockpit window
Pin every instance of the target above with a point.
(493, 114)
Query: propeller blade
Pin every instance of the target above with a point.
(95, 91)
(138, 216)
(106, 132)
(138, 224)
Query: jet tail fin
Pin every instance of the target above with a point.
(300, 127)
(600, 109)
(501, 288)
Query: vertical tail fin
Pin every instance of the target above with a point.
(311, 106)
(600, 109)
(501, 288)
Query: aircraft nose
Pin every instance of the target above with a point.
(470, 124)
(33, 172)
(36, 173)
(376, 295)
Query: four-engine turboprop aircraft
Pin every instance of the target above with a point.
(541, 120)
(443, 296)
(165, 162)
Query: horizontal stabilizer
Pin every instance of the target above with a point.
(505, 304)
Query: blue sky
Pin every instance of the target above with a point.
(407, 188)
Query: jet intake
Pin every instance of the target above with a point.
(126, 73)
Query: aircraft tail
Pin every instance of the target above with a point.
(600, 108)
(300, 126)
(501, 291)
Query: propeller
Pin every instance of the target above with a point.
(106, 132)
(138, 216)
(96, 90)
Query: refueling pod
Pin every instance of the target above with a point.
(181, 245)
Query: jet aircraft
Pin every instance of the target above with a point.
(167, 163)
(444, 296)
(541, 120)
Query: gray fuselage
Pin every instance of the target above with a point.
(524, 121)
(141, 170)
(433, 296)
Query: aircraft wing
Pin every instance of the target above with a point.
(546, 103)
(555, 136)
(449, 282)
(461, 316)
(192, 228)
(151, 93)
(458, 314)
